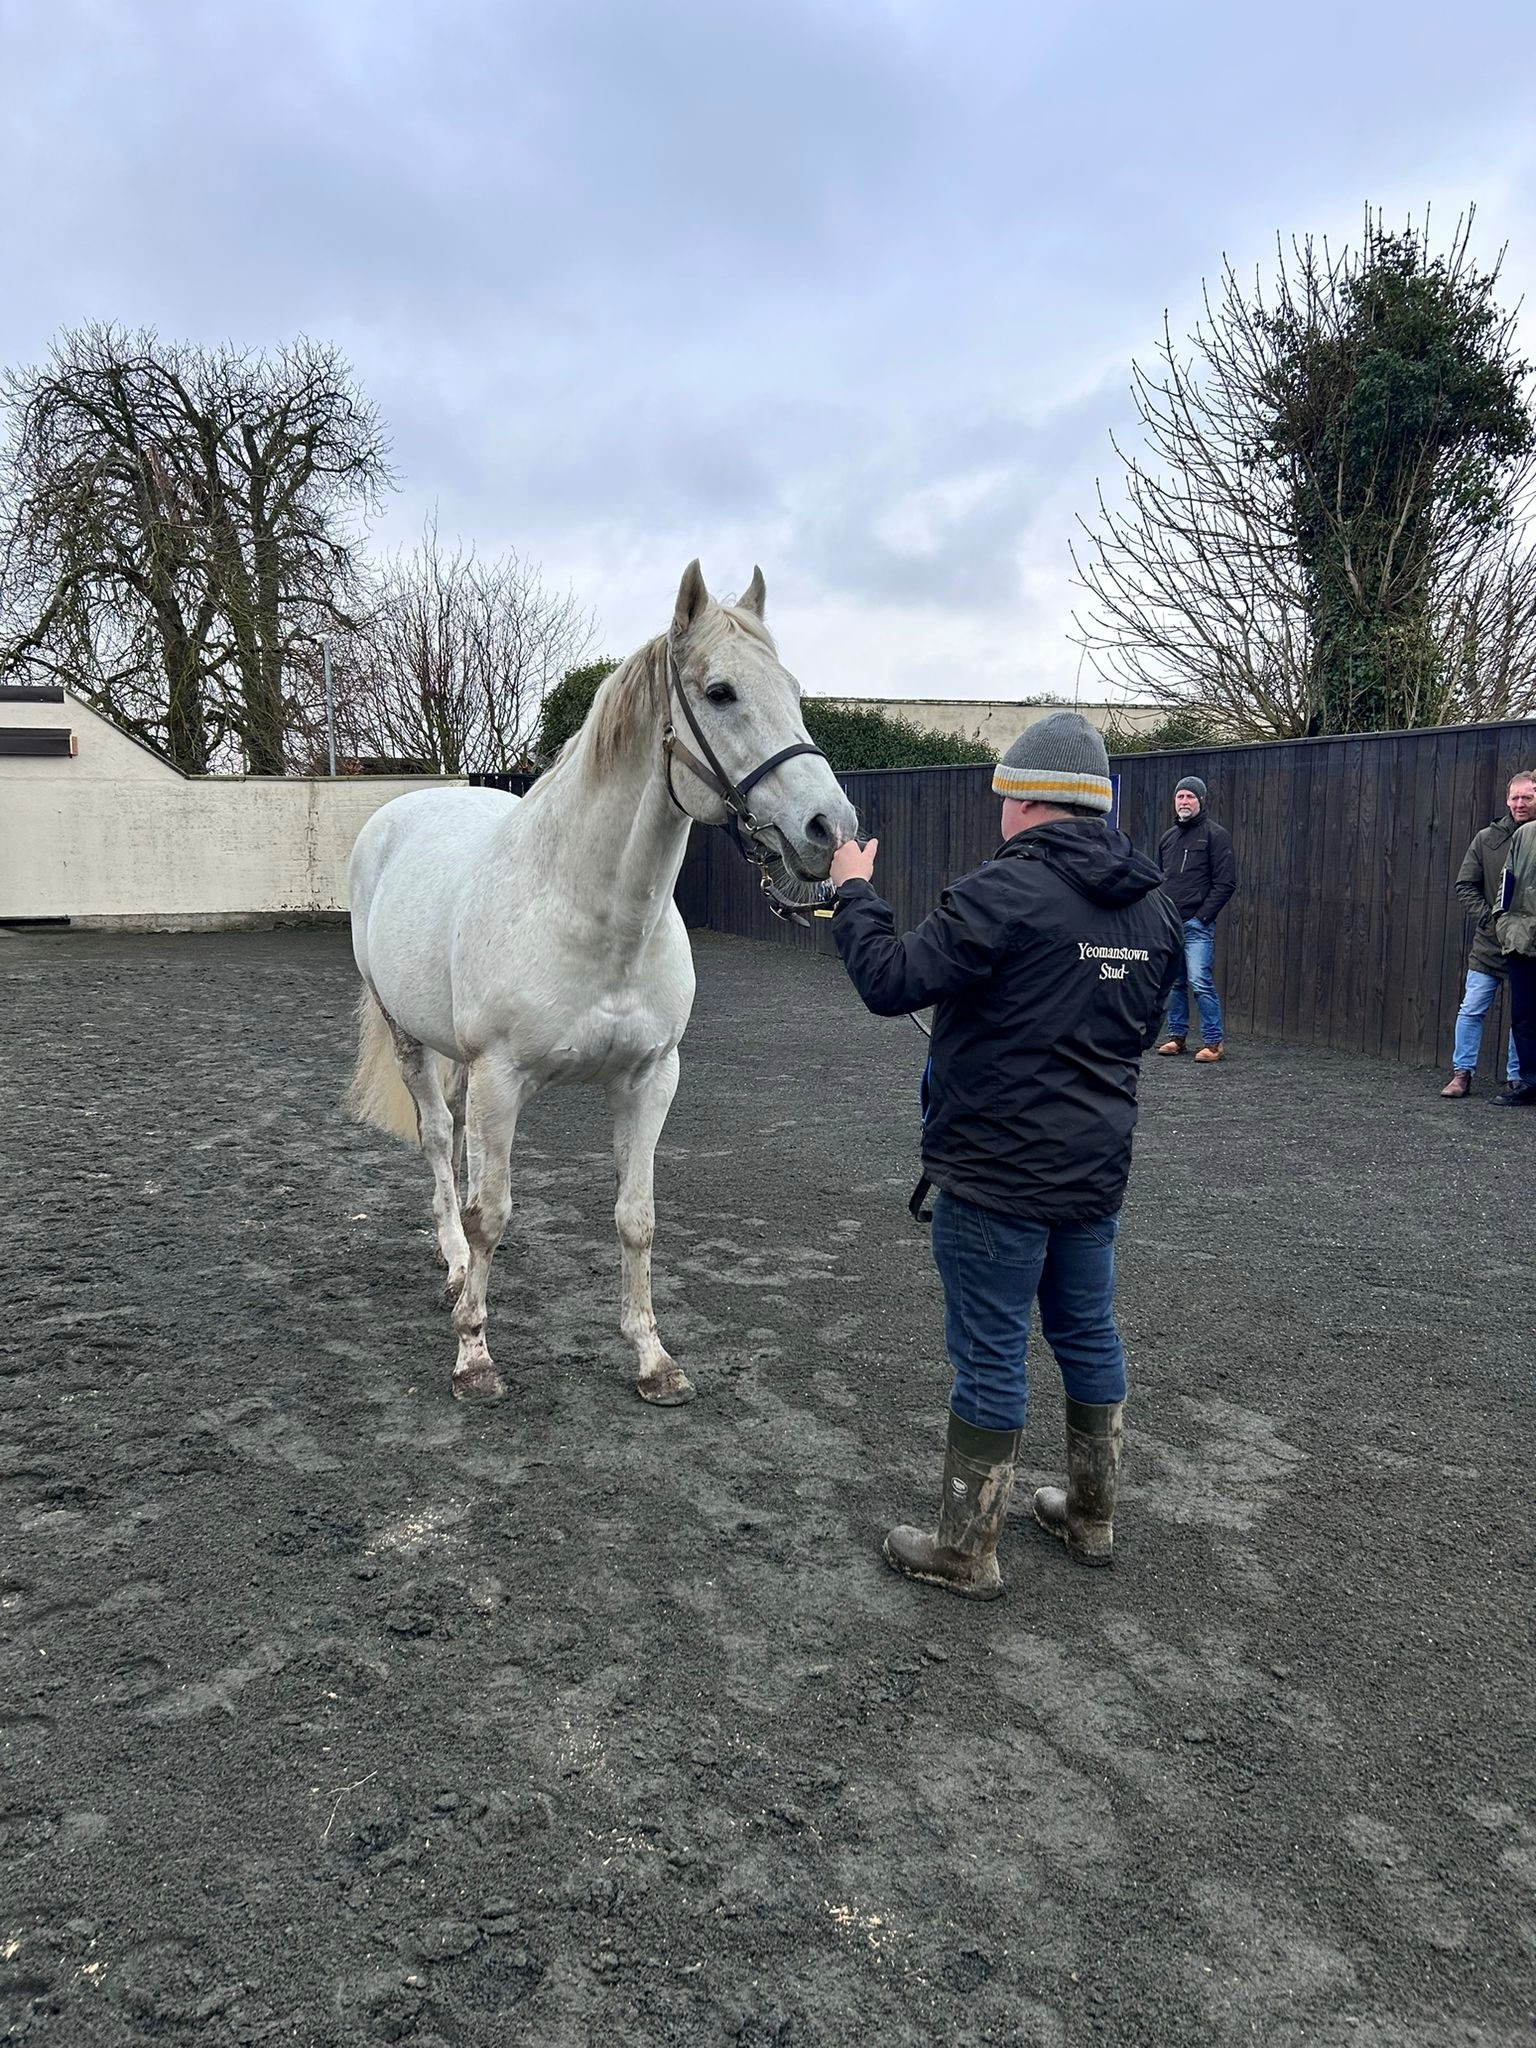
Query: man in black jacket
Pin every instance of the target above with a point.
(1048, 968)
(1200, 874)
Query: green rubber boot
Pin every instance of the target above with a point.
(961, 1554)
(1082, 1513)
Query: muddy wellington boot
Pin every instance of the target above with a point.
(961, 1554)
(1082, 1513)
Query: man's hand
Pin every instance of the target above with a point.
(852, 862)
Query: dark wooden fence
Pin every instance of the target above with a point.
(1344, 931)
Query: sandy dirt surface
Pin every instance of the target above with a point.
(337, 1714)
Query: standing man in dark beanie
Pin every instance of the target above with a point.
(1048, 967)
(1200, 874)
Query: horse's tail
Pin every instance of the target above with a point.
(378, 1094)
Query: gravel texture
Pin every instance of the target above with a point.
(337, 1714)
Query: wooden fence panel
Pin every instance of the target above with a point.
(1344, 931)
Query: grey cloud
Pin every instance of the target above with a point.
(668, 267)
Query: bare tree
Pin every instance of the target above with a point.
(1326, 528)
(175, 523)
(103, 582)
(451, 663)
(291, 456)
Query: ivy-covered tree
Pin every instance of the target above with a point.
(1326, 528)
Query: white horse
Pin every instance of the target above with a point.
(506, 943)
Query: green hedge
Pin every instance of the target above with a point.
(566, 706)
(874, 739)
(848, 738)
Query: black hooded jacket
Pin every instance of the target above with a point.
(1049, 967)
(1199, 867)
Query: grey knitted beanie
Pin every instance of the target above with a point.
(1195, 787)
(1057, 760)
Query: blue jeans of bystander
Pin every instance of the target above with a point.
(993, 1268)
(1199, 952)
(1476, 1002)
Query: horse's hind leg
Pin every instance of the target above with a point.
(457, 1094)
(436, 1123)
(640, 1104)
(495, 1098)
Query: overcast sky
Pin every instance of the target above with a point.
(850, 289)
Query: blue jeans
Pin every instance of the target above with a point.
(994, 1268)
(1199, 952)
(1475, 1005)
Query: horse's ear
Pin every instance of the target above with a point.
(752, 598)
(691, 598)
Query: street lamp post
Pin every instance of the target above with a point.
(330, 705)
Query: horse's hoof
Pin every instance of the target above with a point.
(482, 1383)
(453, 1286)
(672, 1389)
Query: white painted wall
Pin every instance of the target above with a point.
(996, 724)
(115, 836)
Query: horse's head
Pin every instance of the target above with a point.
(744, 706)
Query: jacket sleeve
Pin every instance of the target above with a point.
(958, 945)
(1469, 881)
(1223, 880)
(1172, 969)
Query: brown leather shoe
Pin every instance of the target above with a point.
(1208, 1055)
(1458, 1085)
(1169, 1047)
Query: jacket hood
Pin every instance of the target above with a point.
(1099, 862)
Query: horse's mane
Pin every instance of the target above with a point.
(634, 696)
(630, 699)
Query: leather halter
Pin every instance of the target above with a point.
(710, 770)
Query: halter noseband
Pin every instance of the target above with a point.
(739, 821)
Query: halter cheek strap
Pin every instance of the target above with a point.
(710, 770)
(739, 822)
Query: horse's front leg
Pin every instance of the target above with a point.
(640, 1103)
(494, 1099)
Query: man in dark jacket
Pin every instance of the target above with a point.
(1200, 874)
(1478, 880)
(1048, 968)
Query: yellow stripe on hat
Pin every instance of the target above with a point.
(1030, 782)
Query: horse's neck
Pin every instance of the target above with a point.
(615, 836)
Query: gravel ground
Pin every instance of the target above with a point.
(338, 1714)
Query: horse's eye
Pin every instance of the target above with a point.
(720, 693)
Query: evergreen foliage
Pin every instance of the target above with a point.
(567, 705)
(871, 738)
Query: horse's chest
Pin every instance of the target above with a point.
(605, 1040)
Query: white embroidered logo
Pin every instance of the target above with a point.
(1108, 956)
